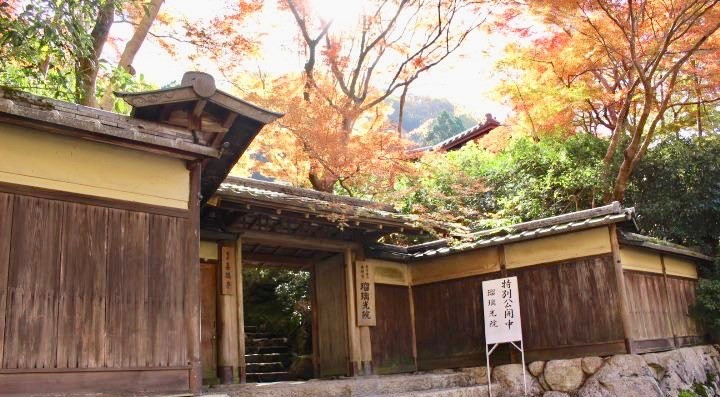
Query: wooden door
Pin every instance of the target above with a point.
(332, 339)
(208, 334)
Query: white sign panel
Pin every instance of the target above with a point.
(502, 311)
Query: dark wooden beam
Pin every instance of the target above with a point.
(276, 260)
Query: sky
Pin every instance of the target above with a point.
(466, 78)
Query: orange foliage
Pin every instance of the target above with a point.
(309, 147)
(623, 69)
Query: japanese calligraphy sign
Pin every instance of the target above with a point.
(365, 293)
(227, 270)
(502, 311)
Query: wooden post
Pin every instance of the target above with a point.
(412, 324)
(354, 348)
(314, 316)
(622, 294)
(240, 311)
(366, 351)
(666, 291)
(192, 289)
(502, 262)
(227, 313)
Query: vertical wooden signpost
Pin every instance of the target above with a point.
(365, 311)
(501, 304)
(365, 291)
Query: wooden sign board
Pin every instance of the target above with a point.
(502, 311)
(365, 294)
(227, 270)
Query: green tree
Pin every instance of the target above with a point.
(526, 180)
(445, 126)
(677, 192)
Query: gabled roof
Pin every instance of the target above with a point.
(341, 209)
(458, 140)
(214, 117)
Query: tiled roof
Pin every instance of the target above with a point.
(574, 221)
(318, 203)
(52, 112)
(629, 238)
(458, 140)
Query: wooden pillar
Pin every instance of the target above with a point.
(192, 288)
(240, 311)
(623, 305)
(412, 322)
(314, 316)
(354, 344)
(666, 295)
(228, 359)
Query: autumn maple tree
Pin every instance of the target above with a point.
(354, 70)
(627, 70)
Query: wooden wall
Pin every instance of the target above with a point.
(569, 309)
(86, 288)
(449, 322)
(392, 337)
(681, 293)
(660, 309)
(332, 335)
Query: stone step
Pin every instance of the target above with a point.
(258, 335)
(264, 377)
(266, 367)
(284, 358)
(256, 342)
(266, 349)
(471, 391)
(449, 382)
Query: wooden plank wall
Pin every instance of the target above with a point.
(392, 337)
(569, 309)
(89, 287)
(681, 293)
(449, 322)
(661, 318)
(332, 354)
(649, 309)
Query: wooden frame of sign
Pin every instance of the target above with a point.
(365, 294)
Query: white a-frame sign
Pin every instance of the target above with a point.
(501, 303)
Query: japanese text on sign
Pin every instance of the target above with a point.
(365, 292)
(502, 310)
(227, 270)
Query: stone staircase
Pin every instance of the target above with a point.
(267, 356)
(468, 382)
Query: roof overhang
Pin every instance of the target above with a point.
(215, 118)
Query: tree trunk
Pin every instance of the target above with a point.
(87, 65)
(401, 110)
(131, 49)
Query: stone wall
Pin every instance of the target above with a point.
(625, 375)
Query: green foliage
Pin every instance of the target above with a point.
(707, 301)
(445, 126)
(525, 181)
(676, 189)
(279, 301)
(122, 81)
(41, 42)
